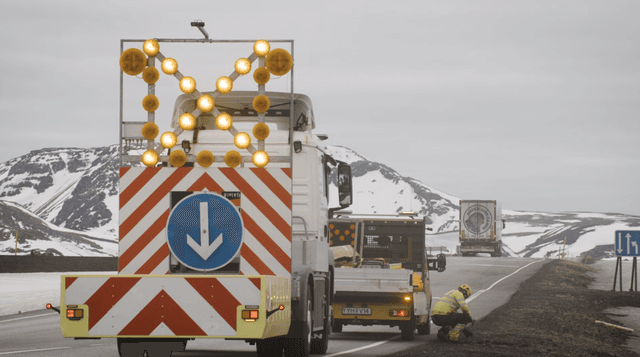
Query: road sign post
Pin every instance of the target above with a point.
(627, 244)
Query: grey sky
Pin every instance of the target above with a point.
(535, 103)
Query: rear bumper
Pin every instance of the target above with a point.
(175, 306)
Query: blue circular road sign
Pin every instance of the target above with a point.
(204, 231)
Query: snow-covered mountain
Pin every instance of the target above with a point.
(66, 199)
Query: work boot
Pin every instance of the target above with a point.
(443, 334)
(467, 333)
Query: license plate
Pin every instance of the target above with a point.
(356, 311)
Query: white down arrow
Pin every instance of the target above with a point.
(204, 249)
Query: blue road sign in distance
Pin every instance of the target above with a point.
(204, 231)
(627, 243)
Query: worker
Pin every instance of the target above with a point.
(445, 314)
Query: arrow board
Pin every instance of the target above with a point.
(204, 231)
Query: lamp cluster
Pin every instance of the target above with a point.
(277, 62)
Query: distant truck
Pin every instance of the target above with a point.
(382, 273)
(481, 227)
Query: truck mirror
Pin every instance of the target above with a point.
(442, 262)
(345, 189)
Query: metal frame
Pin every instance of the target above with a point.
(234, 75)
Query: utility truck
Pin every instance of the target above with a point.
(481, 227)
(223, 222)
(382, 273)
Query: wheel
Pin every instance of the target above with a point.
(425, 328)
(336, 326)
(270, 347)
(408, 330)
(320, 345)
(300, 346)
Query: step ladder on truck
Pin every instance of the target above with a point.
(223, 221)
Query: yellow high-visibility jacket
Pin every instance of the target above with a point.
(450, 303)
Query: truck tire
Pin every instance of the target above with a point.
(336, 326)
(270, 347)
(320, 345)
(300, 346)
(408, 329)
(425, 328)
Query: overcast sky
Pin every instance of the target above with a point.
(534, 103)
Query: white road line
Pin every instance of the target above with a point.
(38, 350)
(494, 284)
(29, 317)
(362, 348)
(491, 265)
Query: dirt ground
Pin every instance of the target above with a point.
(552, 314)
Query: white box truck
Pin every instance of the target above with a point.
(481, 227)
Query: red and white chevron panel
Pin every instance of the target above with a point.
(265, 207)
(162, 305)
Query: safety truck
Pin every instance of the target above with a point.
(481, 226)
(382, 273)
(223, 221)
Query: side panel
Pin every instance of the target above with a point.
(477, 220)
(170, 306)
(265, 206)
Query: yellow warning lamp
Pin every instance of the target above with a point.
(150, 158)
(261, 103)
(224, 85)
(151, 47)
(150, 131)
(132, 61)
(242, 140)
(187, 121)
(243, 66)
(261, 48)
(177, 158)
(260, 158)
(205, 158)
(205, 103)
(261, 131)
(224, 121)
(168, 140)
(261, 75)
(150, 75)
(187, 85)
(232, 158)
(169, 66)
(150, 103)
(279, 62)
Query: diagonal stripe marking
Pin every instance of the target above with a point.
(254, 261)
(218, 296)
(155, 260)
(137, 184)
(282, 193)
(266, 241)
(142, 241)
(106, 296)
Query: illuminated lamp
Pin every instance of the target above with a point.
(150, 75)
(224, 121)
(187, 121)
(261, 75)
(261, 103)
(261, 48)
(150, 158)
(205, 103)
(169, 66)
(177, 158)
(151, 47)
(205, 158)
(242, 140)
(279, 62)
(133, 61)
(243, 66)
(260, 158)
(232, 158)
(261, 131)
(150, 131)
(150, 103)
(187, 85)
(224, 84)
(168, 140)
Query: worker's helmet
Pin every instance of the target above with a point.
(465, 290)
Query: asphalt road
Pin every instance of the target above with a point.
(493, 281)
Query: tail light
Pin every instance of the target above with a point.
(73, 313)
(398, 313)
